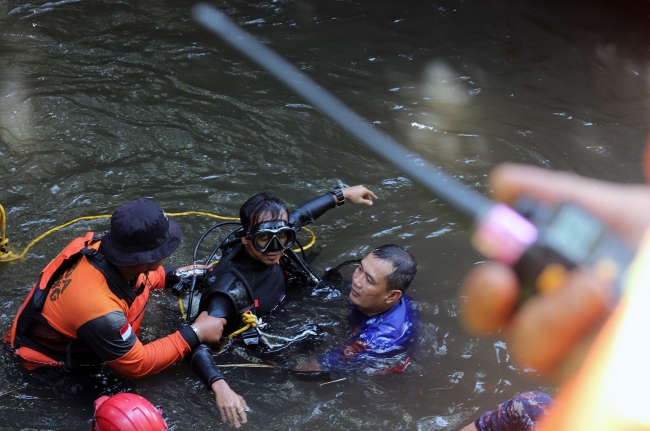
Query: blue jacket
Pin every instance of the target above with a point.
(377, 344)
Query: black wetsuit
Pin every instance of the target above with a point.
(267, 283)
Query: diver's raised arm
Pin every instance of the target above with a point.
(358, 195)
(311, 210)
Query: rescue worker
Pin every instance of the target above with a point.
(248, 277)
(88, 303)
(383, 322)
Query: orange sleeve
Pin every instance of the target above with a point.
(155, 280)
(151, 358)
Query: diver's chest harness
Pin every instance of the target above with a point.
(227, 280)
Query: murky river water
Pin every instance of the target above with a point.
(103, 102)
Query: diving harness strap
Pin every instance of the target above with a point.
(271, 341)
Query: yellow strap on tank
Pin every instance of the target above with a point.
(249, 319)
(181, 306)
(6, 255)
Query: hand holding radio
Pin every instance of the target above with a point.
(551, 330)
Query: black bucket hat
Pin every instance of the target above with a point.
(140, 233)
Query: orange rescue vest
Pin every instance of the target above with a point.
(52, 281)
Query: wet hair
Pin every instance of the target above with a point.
(261, 205)
(404, 266)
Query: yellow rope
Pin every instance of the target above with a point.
(181, 307)
(7, 256)
(312, 242)
(202, 213)
(3, 228)
(249, 319)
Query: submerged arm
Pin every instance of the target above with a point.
(233, 407)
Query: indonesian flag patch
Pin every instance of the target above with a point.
(126, 331)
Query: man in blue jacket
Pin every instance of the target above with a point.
(383, 323)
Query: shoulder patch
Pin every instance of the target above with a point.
(126, 331)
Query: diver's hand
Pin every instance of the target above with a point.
(233, 408)
(358, 195)
(552, 332)
(210, 328)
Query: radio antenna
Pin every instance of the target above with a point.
(467, 201)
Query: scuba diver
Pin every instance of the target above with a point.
(251, 277)
(383, 322)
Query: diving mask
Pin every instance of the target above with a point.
(272, 236)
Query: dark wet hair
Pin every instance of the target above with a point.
(262, 204)
(404, 266)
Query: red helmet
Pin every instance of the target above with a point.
(126, 412)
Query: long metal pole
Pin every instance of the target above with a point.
(467, 201)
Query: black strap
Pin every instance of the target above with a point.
(249, 291)
(308, 270)
(120, 287)
(57, 355)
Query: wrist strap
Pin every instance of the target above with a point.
(336, 191)
(196, 331)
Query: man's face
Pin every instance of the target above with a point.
(269, 258)
(369, 292)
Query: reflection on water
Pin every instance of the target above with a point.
(104, 102)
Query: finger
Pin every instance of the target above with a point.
(510, 181)
(236, 412)
(625, 208)
(232, 416)
(547, 327)
(490, 293)
(224, 416)
(243, 402)
(242, 414)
